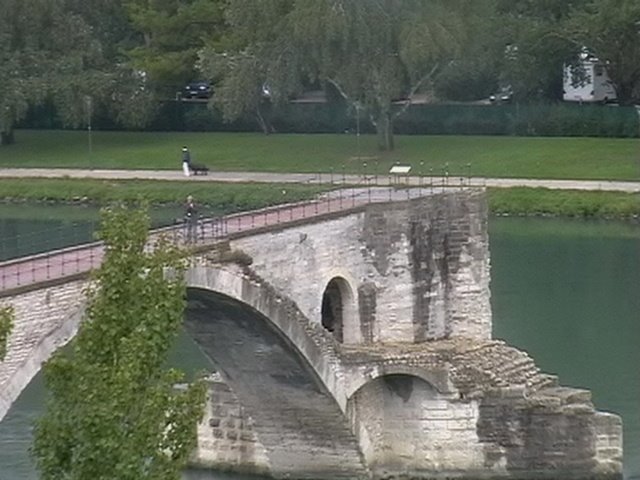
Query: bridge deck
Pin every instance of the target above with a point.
(29, 272)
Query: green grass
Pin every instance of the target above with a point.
(533, 157)
(219, 197)
(575, 203)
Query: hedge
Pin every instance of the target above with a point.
(557, 119)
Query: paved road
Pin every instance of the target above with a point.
(315, 178)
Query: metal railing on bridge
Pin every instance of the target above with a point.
(79, 259)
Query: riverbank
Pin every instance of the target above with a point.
(232, 197)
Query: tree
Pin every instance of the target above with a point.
(373, 52)
(44, 50)
(6, 325)
(475, 74)
(610, 29)
(114, 411)
(172, 32)
(534, 46)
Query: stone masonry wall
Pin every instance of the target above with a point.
(226, 438)
(44, 320)
(409, 427)
(555, 433)
(417, 270)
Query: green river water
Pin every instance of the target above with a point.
(566, 291)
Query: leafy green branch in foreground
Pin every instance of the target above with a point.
(6, 325)
(114, 411)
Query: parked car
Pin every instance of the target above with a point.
(197, 90)
(505, 95)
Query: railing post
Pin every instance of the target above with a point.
(376, 172)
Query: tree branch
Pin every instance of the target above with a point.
(413, 91)
(340, 89)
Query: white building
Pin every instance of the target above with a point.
(588, 82)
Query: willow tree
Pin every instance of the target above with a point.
(373, 52)
(113, 409)
(51, 50)
(172, 32)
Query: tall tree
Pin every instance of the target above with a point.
(475, 74)
(534, 46)
(40, 43)
(372, 51)
(68, 52)
(172, 32)
(114, 411)
(610, 29)
(255, 63)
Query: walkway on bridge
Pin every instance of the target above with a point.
(321, 178)
(28, 272)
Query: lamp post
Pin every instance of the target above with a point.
(358, 129)
(88, 109)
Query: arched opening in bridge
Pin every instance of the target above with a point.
(337, 308)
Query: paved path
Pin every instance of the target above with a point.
(315, 178)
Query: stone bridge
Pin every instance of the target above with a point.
(352, 341)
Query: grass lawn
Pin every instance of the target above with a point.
(534, 157)
(224, 197)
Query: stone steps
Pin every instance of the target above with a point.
(496, 364)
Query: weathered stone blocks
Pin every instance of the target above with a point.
(226, 438)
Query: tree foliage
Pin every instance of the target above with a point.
(122, 58)
(6, 325)
(114, 411)
(373, 52)
(534, 46)
(172, 32)
(42, 47)
(610, 29)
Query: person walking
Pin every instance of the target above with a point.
(186, 161)
(191, 220)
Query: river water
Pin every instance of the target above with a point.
(566, 291)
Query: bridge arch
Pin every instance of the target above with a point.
(282, 367)
(438, 379)
(311, 340)
(339, 310)
(411, 427)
